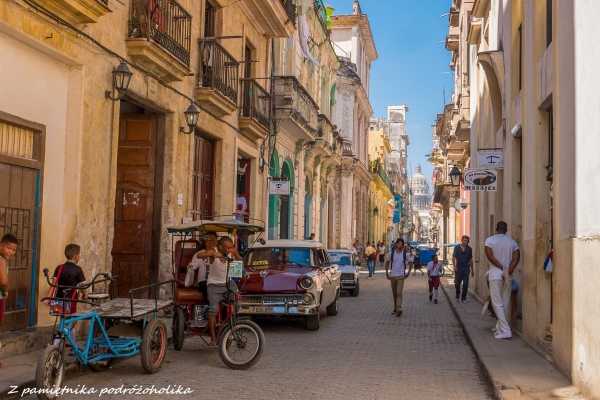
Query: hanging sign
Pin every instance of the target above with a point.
(279, 187)
(490, 158)
(481, 179)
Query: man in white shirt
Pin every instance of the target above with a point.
(400, 270)
(503, 254)
(217, 278)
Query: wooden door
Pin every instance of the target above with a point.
(203, 177)
(132, 249)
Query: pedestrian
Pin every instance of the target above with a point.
(66, 276)
(463, 267)
(397, 270)
(8, 248)
(434, 272)
(371, 255)
(503, 254)
(381, 253)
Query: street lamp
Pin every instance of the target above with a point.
(121, 79)
(455, 176)
(191, 118)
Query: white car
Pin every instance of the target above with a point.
(293, 278)
(347, 261)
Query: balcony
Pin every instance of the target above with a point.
(321, 12)
(254, 120)
(275, 17)
(347, 148)
(378, 169)
(295, 108)
(159, 37)
(76, 11)
(452, 39)
(217, 79)
(325, 141)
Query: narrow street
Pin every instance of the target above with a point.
(362, 353)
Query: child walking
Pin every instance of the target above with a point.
(434, 272)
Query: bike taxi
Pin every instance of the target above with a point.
(239, 340)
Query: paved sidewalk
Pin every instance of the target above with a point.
(516, 370)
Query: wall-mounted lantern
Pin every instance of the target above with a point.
(120, 83)
(455, 176)
(192, 113)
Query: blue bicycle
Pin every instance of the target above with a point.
(98, 348)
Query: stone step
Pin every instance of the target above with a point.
(23, 341)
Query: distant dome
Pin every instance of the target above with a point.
(420, 190)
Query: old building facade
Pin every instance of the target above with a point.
(530, 84)
(90, 160)
(381, 189)
(356, 49)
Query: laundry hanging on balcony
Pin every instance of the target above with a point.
(304, 32)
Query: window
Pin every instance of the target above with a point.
(548, 22)
(209, 20)
(203, 178)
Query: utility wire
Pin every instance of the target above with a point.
(111, 52)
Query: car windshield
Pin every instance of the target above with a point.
(277, 256)
(340, 258)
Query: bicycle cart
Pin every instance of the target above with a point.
(240, 341)
(99, 348)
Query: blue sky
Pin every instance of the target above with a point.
(412, 67)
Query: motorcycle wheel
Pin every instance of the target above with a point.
(241, 347)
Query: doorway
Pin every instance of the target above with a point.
(242, 203)
(203, 179)
(21, 155)
(137, 199)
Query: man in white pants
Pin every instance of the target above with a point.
(503, 254)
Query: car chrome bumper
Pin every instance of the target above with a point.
(266, 307)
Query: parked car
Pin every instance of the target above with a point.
(292, 278)
(349, 267)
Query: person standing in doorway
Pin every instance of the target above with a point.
(463, 266)
(371, 256)
(397, 263)
(8, 248)
(503, 254)
(434, 272)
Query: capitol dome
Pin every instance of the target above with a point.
(420, 190)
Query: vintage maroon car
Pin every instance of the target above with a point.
(290, 278)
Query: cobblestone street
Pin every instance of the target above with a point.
(362, 353)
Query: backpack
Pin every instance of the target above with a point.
(392, 257)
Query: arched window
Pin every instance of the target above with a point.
(308, 199)
(274, 200)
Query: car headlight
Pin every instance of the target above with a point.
(306, 282)
(308, 298)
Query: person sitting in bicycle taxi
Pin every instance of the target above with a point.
(197, 269)
(67, 275)
(217, 276)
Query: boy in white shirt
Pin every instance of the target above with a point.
(434, 272)
(503, 254)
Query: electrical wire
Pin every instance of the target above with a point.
(111, 52)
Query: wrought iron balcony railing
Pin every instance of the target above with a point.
(378, 168)
(257, 102)
(166, 23)
(347, 147)
(290, 9)
(218, 69)
(321, 11)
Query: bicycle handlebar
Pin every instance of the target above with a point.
(107, 277)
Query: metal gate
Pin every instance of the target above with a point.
(21, 149)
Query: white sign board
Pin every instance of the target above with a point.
(481, 179)
(491, 158)
(236, 269)
(281, 188)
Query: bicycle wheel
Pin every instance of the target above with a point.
(50, 371)
(241, 347)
